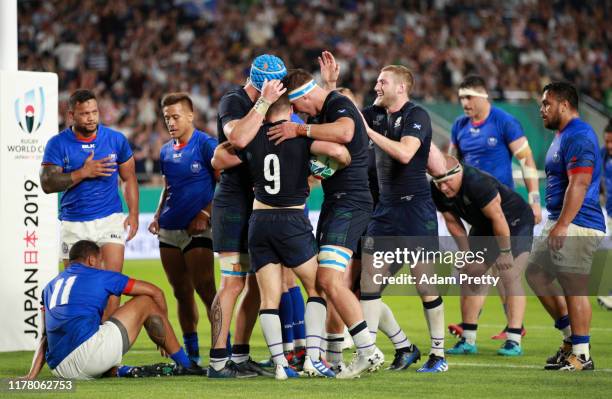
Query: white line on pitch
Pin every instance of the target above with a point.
(509, 366)
(539, 327)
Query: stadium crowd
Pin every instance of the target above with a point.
(132, 51)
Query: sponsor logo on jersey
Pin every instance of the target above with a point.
(177, 155)
(474, 131)
(90, 146)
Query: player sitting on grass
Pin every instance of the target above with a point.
(73, 342)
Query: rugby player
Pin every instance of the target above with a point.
(239, 115)
(347, 206)
(182, 219)
(606, 155)
(85, 162)
(487, 138)
(574, 228)
(280, 232)
(76, 343)
(493, 210)
(401, 132)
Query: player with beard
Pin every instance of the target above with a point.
(574, 228)
(85, 162)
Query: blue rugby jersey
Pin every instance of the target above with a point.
(574, 150)
(74, 302)
(607, 165)
(485, 145)
(190, 179)
(92, 198)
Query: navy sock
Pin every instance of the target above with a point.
(180, 357)
(191, 343)
(297, 300)
(228, 343)
(285, 313)
(123, 371)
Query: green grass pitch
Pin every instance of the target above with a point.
(480, 376)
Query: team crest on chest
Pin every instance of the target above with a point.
(398, 122)
(196, 166)
(492, 141)
(556, 157)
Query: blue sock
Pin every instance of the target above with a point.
(228, 343)
(180, 357)
(191, 344)
(299, 330)
(580, 339)
(123, 371)
(285, 311)
(562, 322)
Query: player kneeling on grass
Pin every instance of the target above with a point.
(73, 342)
(279, 231)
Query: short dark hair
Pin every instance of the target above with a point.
(296, 78)
(563, 91)
(473, 81)
(175, 98)
(609, 127)
(282, 104)
(82, 249)
(80, 96)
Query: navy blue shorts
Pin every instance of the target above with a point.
(521, 238)
(230, 228)
(280, 236)
(342, 223)
(409, 219)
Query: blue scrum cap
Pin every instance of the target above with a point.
(268, 67)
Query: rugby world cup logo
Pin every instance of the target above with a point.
(30, 110)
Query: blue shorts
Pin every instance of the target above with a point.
(342, 223)
(230, 227)
(280, 236)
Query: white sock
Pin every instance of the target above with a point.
(334, 348)
(581, 349)
(299, 342)
(567, 334)
(434, 314)
(371, 314)
(273, 333)
(514, 334)
(362, 338)
(314, 318)
(470, 336)
(288, 346)
(391, 328)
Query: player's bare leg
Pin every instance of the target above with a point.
(551, 297)
(330, 281)
(512, 281)
(112, 259)
(143, 311)
(200, 267)
(182, 288)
